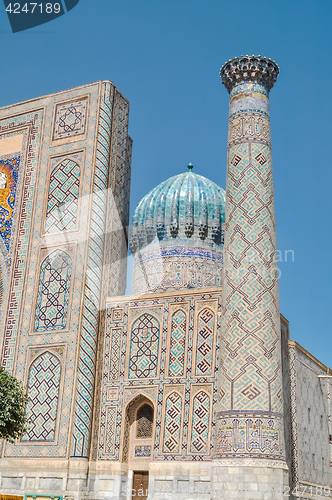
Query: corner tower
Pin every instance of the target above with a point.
(249, 420)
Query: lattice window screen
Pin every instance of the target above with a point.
(144, 422)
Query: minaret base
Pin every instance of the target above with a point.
(250, 479)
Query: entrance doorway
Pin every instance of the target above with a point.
(140, 485)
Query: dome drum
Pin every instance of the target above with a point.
(176, 235)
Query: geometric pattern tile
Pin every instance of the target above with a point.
(112, 159)
(172, 427)
(53, 292)
(250, 373)
(177, 344)
(63, 197)
(115, 353)
(144, 347)
(175, 268)
(200, 424)
(176, 436)
(251, 392)
(204, 348)
(43, 393)
(70, 119)
(89, 331)
(110, 429)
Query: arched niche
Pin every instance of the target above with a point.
(139, 428)
(63, 195)
(43, 388)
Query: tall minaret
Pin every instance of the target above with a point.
(249, 428)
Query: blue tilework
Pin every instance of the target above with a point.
(29, 217)
(200, 424)
(172, 426)
(112, 107)
(176, 363)
(53, 292)
(43, 393)
(9, 169)
(86, 366)
(144, 347)
(63, 197)
(123, 314)
(70, 119)
(205, 342)
(29, 125)
(115, 352)
(250, 381)
(185, 207)
(110, 430)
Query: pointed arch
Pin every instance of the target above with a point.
(53, 292)
(131, 417)
(63, 194)
(43, 392)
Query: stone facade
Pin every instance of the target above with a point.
(250, 413)
(190, 390)
(65, 168)
(311, 385)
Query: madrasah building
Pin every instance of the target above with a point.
(190, 388)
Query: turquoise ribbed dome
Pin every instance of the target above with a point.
(186, 207)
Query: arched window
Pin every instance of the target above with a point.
(53, 292)
(43, 394)
(144, 422)
(138, 429)
(63, 196)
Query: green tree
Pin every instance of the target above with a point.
(13, 399)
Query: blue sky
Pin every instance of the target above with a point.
(165, 56)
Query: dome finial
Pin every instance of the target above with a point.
(190, 167)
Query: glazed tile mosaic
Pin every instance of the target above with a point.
(184, 422)
(43, 392)
(62, 203)
(70, 119)
(58, 252)
(188, 385)
(53, 292)
(176, 235)
(250, 374)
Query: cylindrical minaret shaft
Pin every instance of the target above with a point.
(250, 404)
